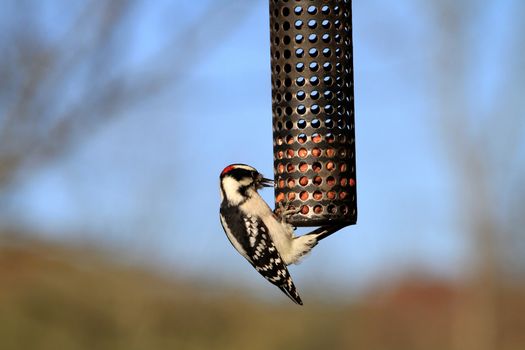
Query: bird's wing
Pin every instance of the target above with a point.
(249, 235)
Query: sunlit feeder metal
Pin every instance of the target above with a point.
(313, 110)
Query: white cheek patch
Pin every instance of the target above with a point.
(246, 182)
(231, 190)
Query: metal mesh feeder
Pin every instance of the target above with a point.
(313, 110)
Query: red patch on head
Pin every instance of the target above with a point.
(227, 169)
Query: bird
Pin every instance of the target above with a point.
(266, 240)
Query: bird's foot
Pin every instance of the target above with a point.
(285, 211)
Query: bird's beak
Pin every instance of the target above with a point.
(264, 182)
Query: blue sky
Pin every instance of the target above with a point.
(146, 184)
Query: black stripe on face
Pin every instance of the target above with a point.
(239, 174)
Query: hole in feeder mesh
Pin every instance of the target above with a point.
(305, 209)
(328, 80)
(303, 152)
(299, 53)
(314, 95)
(318, 195)
(351, 182)
(331, 209)
(299, 38)
(316, 123)
(330, 181)
(314, 80)
(298, 24)
(286, 25)
(327, 66)
(316, 152)
(317, 180)
(316, 138)
(329, 109)
(301, 109)
(344, 209)
(303, 181)
(342, 167)
(291, 196)
(316, 167)
(287, 67)
(279, 198)
(287, 54)
(314, 66)
(288, 81)
(330, 152)
(326, 37)
(280, 183)
(330, 195)
(279, 141)
(342, 195)
(301, 138)
(303, 195)
(325, 10)
(303, 167)
(328, 95)
(289, 153)
(288, 123)
(329, 124)
(330, 166)
(280, 155)
(286, 11)
(286, 41)
(312, 24)
(290, 168)
(312, 10)
(325, 23)
(318, 209)
(300, 81)
(288, 96)
(289, 139)
(291, 183)
(312, 38)
(301, 123)
(315, 109)
(313, 52)
(298, 10)
(280, 168)
(301, 95)
(343, 182)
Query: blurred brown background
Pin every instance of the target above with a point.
(116, 118)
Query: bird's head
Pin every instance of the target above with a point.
(240, 181)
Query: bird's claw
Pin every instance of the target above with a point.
(285, 211)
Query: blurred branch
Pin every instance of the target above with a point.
(483, 149)
(55, 92)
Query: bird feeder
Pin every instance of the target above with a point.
(313, 110)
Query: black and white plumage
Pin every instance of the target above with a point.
(265, 240)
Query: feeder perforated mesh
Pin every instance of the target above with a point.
(313, 110)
